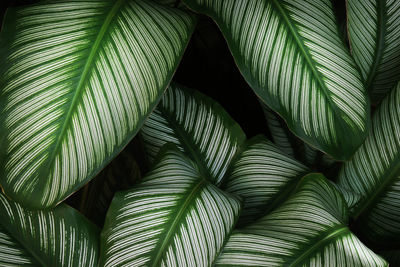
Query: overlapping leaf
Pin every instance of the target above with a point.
(121, 174)
(175, 217)
(198, 126)
(307, 230)
(374, 173)
(291, 54)
(58, 237)
(77, 80)
(263, 176)
(374, 33)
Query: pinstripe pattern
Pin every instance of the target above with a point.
(173, 218)
(263, 176)
(307, 230)
(13, 254)
(374, 32)
(374, 173)
(290, 52)
(198, 126)
(78, 79)
(58, 237)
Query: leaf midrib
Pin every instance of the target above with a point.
(81, 84)
(376, 194)
(175, 223)
(186, 142)
(310, 61)
(333, 233)
(380, 43)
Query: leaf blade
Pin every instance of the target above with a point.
(185, 221)
(295, 56)
(79, 80)
(58, 237)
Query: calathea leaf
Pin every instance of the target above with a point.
(374, 173)
(309, 229)
(77, 80)
(374, 32)
(290, 53)
(198, 125)
(121, 174)
(57, 237)
(263, 176)
(174, 217)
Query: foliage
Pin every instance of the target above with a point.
(286, 152)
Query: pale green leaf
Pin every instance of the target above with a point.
(263, 176)
(199, 126)
(374, 33)
(309, 229)
(174, 217)
(57, 237)
(77, 79)
(291, 54)
(374, 173)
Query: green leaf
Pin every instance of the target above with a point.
(309, 229)
(57, 237)
(290, 53)
(77, 80)
(121, 174)
(374, 32)
(199, 126)
(175, 217)
(374, 173)
(263, 176)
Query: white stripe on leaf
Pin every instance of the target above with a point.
(374, 173)
(309, 229)
(174, 217)
(291, 54)
(78, 78)
(57, 237)
(374, 33)
(263, 176)
(199, 126)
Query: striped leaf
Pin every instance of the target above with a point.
(199, 126)
(309, 229)
(374, 32)
(121, 174)
(290, 53)
(263, 176)
(374, 173)
(77, 80)
(175, 217)
(57, 237)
